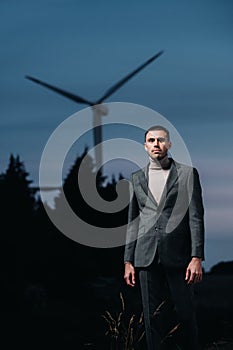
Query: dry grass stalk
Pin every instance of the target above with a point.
(127, 333)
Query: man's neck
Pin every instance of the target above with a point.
(163, 163)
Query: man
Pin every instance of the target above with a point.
(165, 239)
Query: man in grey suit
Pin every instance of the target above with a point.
(165, 239)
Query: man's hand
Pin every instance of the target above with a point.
(129, 274)
(194, 271)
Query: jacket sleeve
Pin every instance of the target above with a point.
(132, 227)
(196, 217)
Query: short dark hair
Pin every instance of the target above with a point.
(158, 127)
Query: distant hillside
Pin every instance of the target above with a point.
(223, 267)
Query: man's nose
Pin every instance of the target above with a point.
(156, 142)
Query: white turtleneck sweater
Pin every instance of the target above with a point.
(157, 176)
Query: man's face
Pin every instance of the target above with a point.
(157, 144)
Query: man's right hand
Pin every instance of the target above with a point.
(129, 274)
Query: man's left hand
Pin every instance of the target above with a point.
(194, 271)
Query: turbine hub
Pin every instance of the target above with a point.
(101, 109)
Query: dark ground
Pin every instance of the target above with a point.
(46, 321)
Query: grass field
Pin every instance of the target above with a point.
(77, 323)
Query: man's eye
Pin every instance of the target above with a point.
(159, 139)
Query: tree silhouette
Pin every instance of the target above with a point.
(17, 211)
(95, 258)
(35, 255)
(18, 196)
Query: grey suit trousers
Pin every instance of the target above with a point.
(166, 287)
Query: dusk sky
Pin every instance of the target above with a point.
(86, 46)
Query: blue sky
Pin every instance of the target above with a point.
(86, 46)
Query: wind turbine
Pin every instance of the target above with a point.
(98, 108)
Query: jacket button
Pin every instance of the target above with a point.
(156, 228)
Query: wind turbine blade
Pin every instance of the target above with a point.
(67, 94)
(116, 86)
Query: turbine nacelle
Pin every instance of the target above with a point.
(100, 109)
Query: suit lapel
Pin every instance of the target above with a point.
(172, 177)
(143, 179)
(171, 180)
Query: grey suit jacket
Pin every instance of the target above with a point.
(174, 228)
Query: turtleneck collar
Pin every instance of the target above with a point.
(159, 164)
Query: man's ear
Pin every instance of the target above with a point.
(145, 146)
(169, 144)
